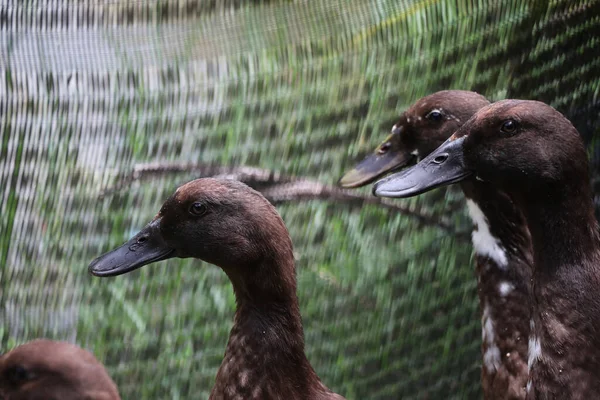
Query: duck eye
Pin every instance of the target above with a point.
(198, 209)
(17, 375)
(384, 148)
(509, 126)
(434, 115)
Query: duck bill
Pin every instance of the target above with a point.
(374, 166)
(444, 166)
(146, 247)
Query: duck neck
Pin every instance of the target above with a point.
(265, 352)
(504, 264)
(267, 302)
(564, 356)
(563, 227)
(500, 228)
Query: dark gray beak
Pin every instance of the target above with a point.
(444, 166)
(144, 248)
(378, 164)
(373, 167)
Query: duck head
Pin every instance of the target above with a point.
(420, 130)
(223, 222)
(49, 370)
(515, 144)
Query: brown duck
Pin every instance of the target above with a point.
(501, 239)
(533, 153)
(48, 370)
(226, 223)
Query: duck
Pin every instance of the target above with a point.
(228, 224)
(500, 237)
(535, 155)
(53, 370)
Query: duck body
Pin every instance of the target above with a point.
(49, 370)
(501, 240)
(226, 223)
(565, 356)
(534, 154)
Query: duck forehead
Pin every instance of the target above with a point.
(474, 126)
(502, 110)
(451, 100)
(421, 107)
(424, 105)
(215, 191)
(199, 187)
(437, 99)
(198, 190)
(415, 114)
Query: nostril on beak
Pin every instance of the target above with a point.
(384, 148)
(441, 158)
(142, 239)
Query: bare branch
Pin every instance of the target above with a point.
(278, 188)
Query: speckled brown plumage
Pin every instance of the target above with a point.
(228, 224)
(504, 294)
(48, 370)
(504, 286)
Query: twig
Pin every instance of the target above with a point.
(278, 188)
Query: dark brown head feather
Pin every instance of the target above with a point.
(50, 370)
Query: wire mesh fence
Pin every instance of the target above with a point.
(105, 107)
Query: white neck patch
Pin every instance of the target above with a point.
(484, 242)
(491, 356)
(534, 352)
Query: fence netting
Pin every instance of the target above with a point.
(106, 107)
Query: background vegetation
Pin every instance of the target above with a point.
(88, 91)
